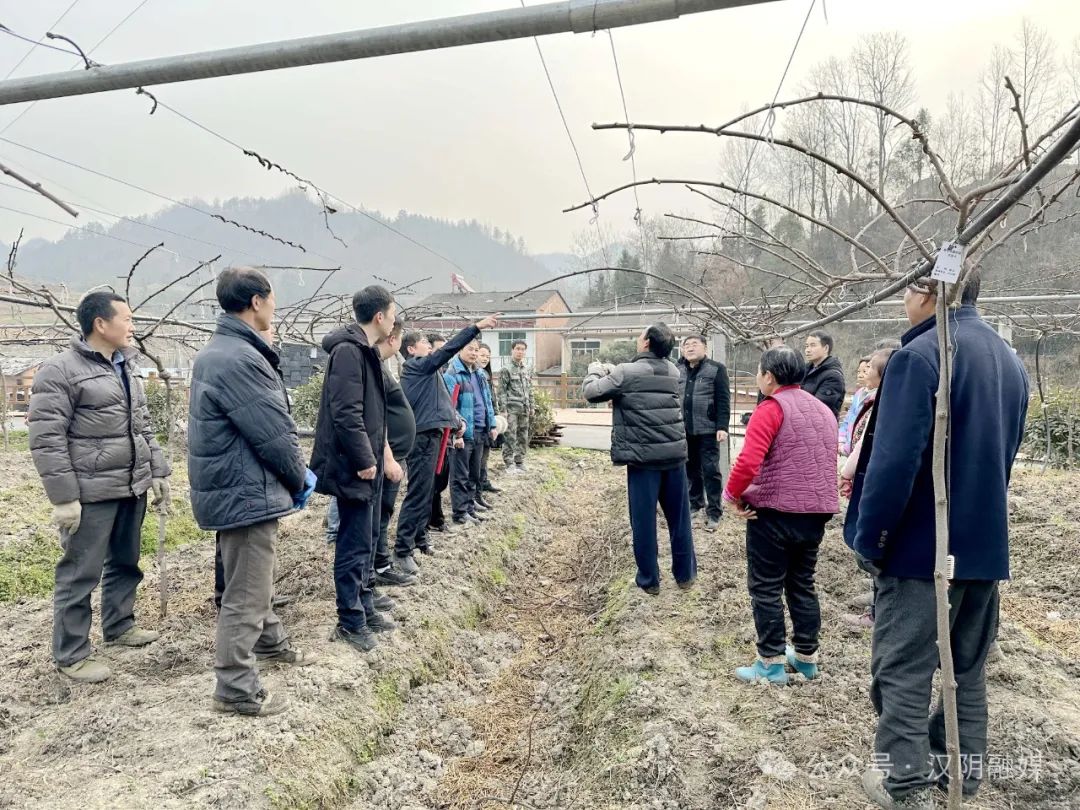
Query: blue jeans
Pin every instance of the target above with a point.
(352, 563)
(645, 488)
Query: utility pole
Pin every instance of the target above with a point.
(577, 16)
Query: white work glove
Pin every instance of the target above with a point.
(67, 516)
(162, 494)
(600, 369)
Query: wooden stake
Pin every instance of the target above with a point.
(941, 582)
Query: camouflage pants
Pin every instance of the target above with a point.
(517, 438)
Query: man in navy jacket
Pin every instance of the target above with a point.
(891, 527)
(422, 382)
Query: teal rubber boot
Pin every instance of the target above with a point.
(760, 671)
(808, 669)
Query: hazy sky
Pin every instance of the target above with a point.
(465, 133)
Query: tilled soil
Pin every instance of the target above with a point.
(530, 672)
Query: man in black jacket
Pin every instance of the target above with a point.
(648, 436)
(349, 456)
(424, 388)
(246, 471)
(706, 413)
(824, 373)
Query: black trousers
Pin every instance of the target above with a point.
(703, 470)
(465, 477)
(417, 505)
(910, 748)
(781, 558)
(437, 518)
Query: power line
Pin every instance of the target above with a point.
(80, 63)
(89, 230)
(5, 30)
(319, 189)
(131, 221)
(630, 155)
(573, 146)
(37, 43)
(164, 197)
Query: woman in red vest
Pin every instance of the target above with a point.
(784, 485)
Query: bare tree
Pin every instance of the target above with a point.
(884, 75)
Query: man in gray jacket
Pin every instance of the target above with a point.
(94, 448)
(648, 437)
(246, 471)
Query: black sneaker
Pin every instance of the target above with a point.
(379, 623)
(481, 502)
(393, 578)
(477, 517)
(465, 522)
(362, 640)
(490, 487)
(383, 602)
(427, 550)
(480, 506)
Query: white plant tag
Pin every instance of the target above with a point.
(950, 258)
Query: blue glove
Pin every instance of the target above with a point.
(301, 498)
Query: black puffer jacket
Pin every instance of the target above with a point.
(351, 432)
(244, 460)
(647, 423)
(706, 393)
(826, 382)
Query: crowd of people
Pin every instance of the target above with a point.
(797, 461)
(433, 427)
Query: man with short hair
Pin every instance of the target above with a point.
(891, 525)
(93, 446)
(515, 393)
(426, 392)
(437, 521)
(468, 387)
(824, 373)
(350, 454)
(649, 438)
(246, 471)
(706, 414)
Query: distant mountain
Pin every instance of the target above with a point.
(488, 257)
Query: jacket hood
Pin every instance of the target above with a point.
(351, 333)
(234, 327)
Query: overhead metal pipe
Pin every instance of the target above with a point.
(577, 16)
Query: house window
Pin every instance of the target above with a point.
(584, 348)
(506, 342)
(20, 395)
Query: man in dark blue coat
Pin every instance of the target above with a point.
(246, 471)
(422, 382)
(891, 526)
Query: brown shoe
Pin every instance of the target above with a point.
(688, 584)
(262, 704)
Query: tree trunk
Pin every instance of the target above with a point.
(941, 582)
